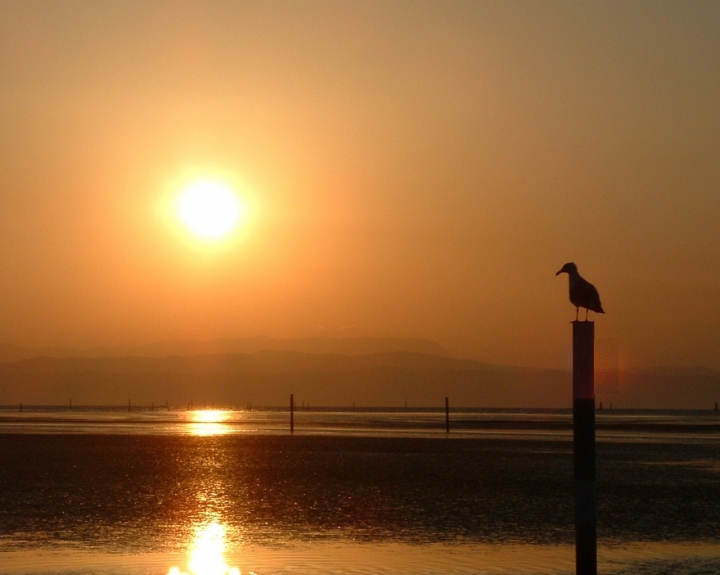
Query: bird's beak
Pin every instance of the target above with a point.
(557, 274)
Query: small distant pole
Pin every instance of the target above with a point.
(584, 447)
(716, 406)
(447, 415)
(292, 415)
(21, 408)
(128, 405)
(152, 406)
(70, 403)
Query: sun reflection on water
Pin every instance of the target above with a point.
(209, 422)
(207, 554)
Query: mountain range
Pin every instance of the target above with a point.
(344, 346)
(418, 373)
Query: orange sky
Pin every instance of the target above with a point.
(414, 169)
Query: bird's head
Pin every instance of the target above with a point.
(568, 268)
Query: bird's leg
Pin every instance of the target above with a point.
(577, 311)
(587, 311)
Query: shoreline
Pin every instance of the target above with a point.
(390, 558)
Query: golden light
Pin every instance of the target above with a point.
(209, 422)
(207, 555)
(209, 209)
(210, 416)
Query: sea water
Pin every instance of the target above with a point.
(104, 490)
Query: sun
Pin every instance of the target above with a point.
(209, 209)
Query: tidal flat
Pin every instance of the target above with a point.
(334, 502)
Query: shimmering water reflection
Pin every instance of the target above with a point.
(555, 425)
(200, 491)
(209, 422)
(207, 553)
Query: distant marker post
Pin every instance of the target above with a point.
(292, 414)
(584, 447)
(447, 415)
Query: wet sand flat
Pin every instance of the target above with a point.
(387, 559)
(351, 503)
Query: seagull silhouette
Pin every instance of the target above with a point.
(582, 292)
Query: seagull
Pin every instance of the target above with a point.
(582, 292)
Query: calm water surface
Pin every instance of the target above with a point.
(372, 492)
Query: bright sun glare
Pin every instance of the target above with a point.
(209, 422)
(209, 209)
(207, 555)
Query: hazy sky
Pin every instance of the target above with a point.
(412, 169)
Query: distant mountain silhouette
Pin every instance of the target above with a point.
(345, 346)
(267, 378)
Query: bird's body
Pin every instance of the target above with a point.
(582, 292)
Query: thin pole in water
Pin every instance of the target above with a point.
(128, 405)
(584, 447)
(292, 414)
(447, 415)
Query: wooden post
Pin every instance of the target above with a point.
(447, 415)
(292, 415)
(128, 405)
(21, 408)
(584, 447)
